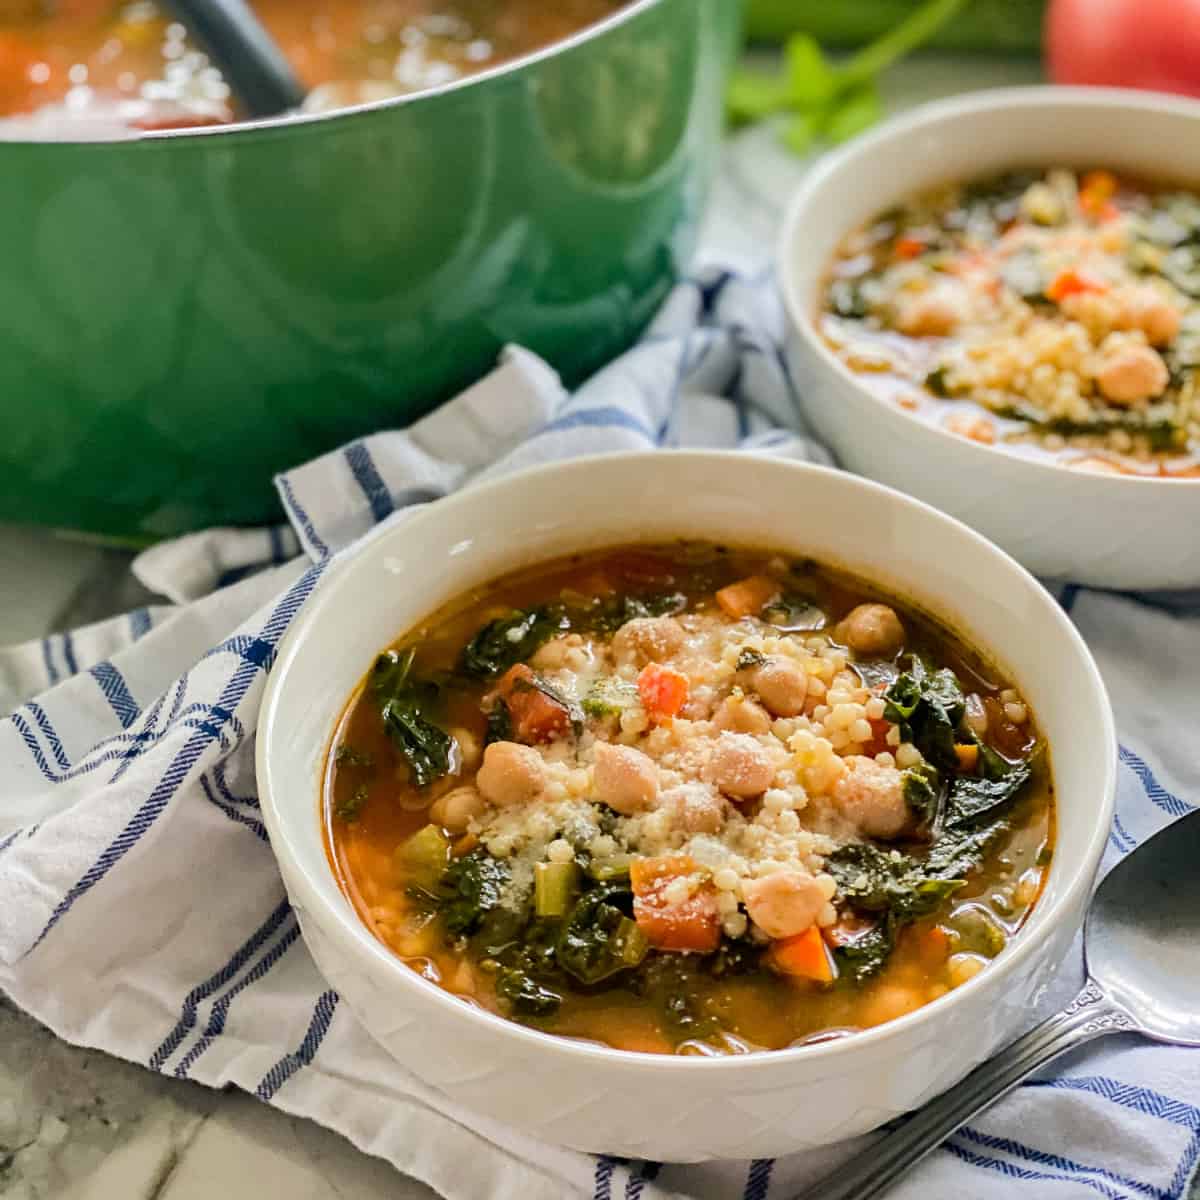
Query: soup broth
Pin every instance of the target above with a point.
(687, 799)
(132, 63)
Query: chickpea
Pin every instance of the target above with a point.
(469, 750)
(741, 716)
(889, 1001)
(511, 774)
(783, 903)
(935, 312)
(455, 810)
(696, 808)
(872, 630)
(782, 685)
(624, 778)
(740, 766)
(962, 967)
(651, 639)
(1146, 309)
(1129, 373)
(872, 797)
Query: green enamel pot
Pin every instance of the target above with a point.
(183, 314)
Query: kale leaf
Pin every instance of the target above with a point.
(599, 939)
(973, 801)
(424, 746)
(524, 996)
(472, 887)
(867, 954)
(928, 709)
(607, 616)
(876, 880)
(921, 788)
(506, 641)
(749, 659)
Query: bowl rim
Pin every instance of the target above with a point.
(349, 926)
(1016, 101)
(581, 37)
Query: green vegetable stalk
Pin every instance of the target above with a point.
(992, 26)
(832, 101)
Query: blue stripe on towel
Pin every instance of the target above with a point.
(116, 692)
(758, 1180)
(646, 1173)
(68, 646)
(1155, 792)
(287, 1066)
(184, 761)
(1012, 1171)
(52, 672)
(202, 991)
(601, 418)
(363, 468)
(139, 623)
(253, 824)
(602, 1182)
(1058, 1162)
(220, 1010)
(302, 518)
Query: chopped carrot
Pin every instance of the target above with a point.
(1071, 283)
(747, 597)
(691, 924)
(663, 691)
(465, 844)
(908, 246)
(1096, 191)
(803, 956)
(535, 716)
(967, 756)
(935, 946)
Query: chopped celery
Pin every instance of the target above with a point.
(609, 697)
(614, 867)
(554, 887)
(631, 942)
(424, 857)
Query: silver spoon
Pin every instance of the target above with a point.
(1142, 951)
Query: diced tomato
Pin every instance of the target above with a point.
(803, 956)
(934, 947)
(878, 743)
(535, 716)
(908, 246)
(1072, 283)
(663, 691)
(747, 597)
(692, 924)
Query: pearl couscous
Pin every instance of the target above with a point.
(689, 799)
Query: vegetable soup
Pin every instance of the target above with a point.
(689, 799)
(130, 62)
(1051, 312)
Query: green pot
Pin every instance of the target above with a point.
(184, 314)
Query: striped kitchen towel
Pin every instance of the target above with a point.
(141, 911)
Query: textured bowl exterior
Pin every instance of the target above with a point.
(1100, 530)
(663, 1107)
(183, 315)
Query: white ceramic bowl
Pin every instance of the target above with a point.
(654, 1106)
(1101, 530)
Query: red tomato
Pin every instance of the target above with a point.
(1148, 44)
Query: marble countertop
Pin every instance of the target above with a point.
(79, 1125)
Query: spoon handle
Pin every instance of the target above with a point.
(1090, 1015)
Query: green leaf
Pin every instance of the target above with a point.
(800, 132)
(811, 80)
(524, 996)
(753, 95)
(610, 696)
(472, 887)
(424, 746)
(503, 643)
(920, 787)
(857, 111)
(597, 940)
(973, 800)
(867, 954)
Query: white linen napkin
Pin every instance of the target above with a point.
(141, 911)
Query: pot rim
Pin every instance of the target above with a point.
(581, 37)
